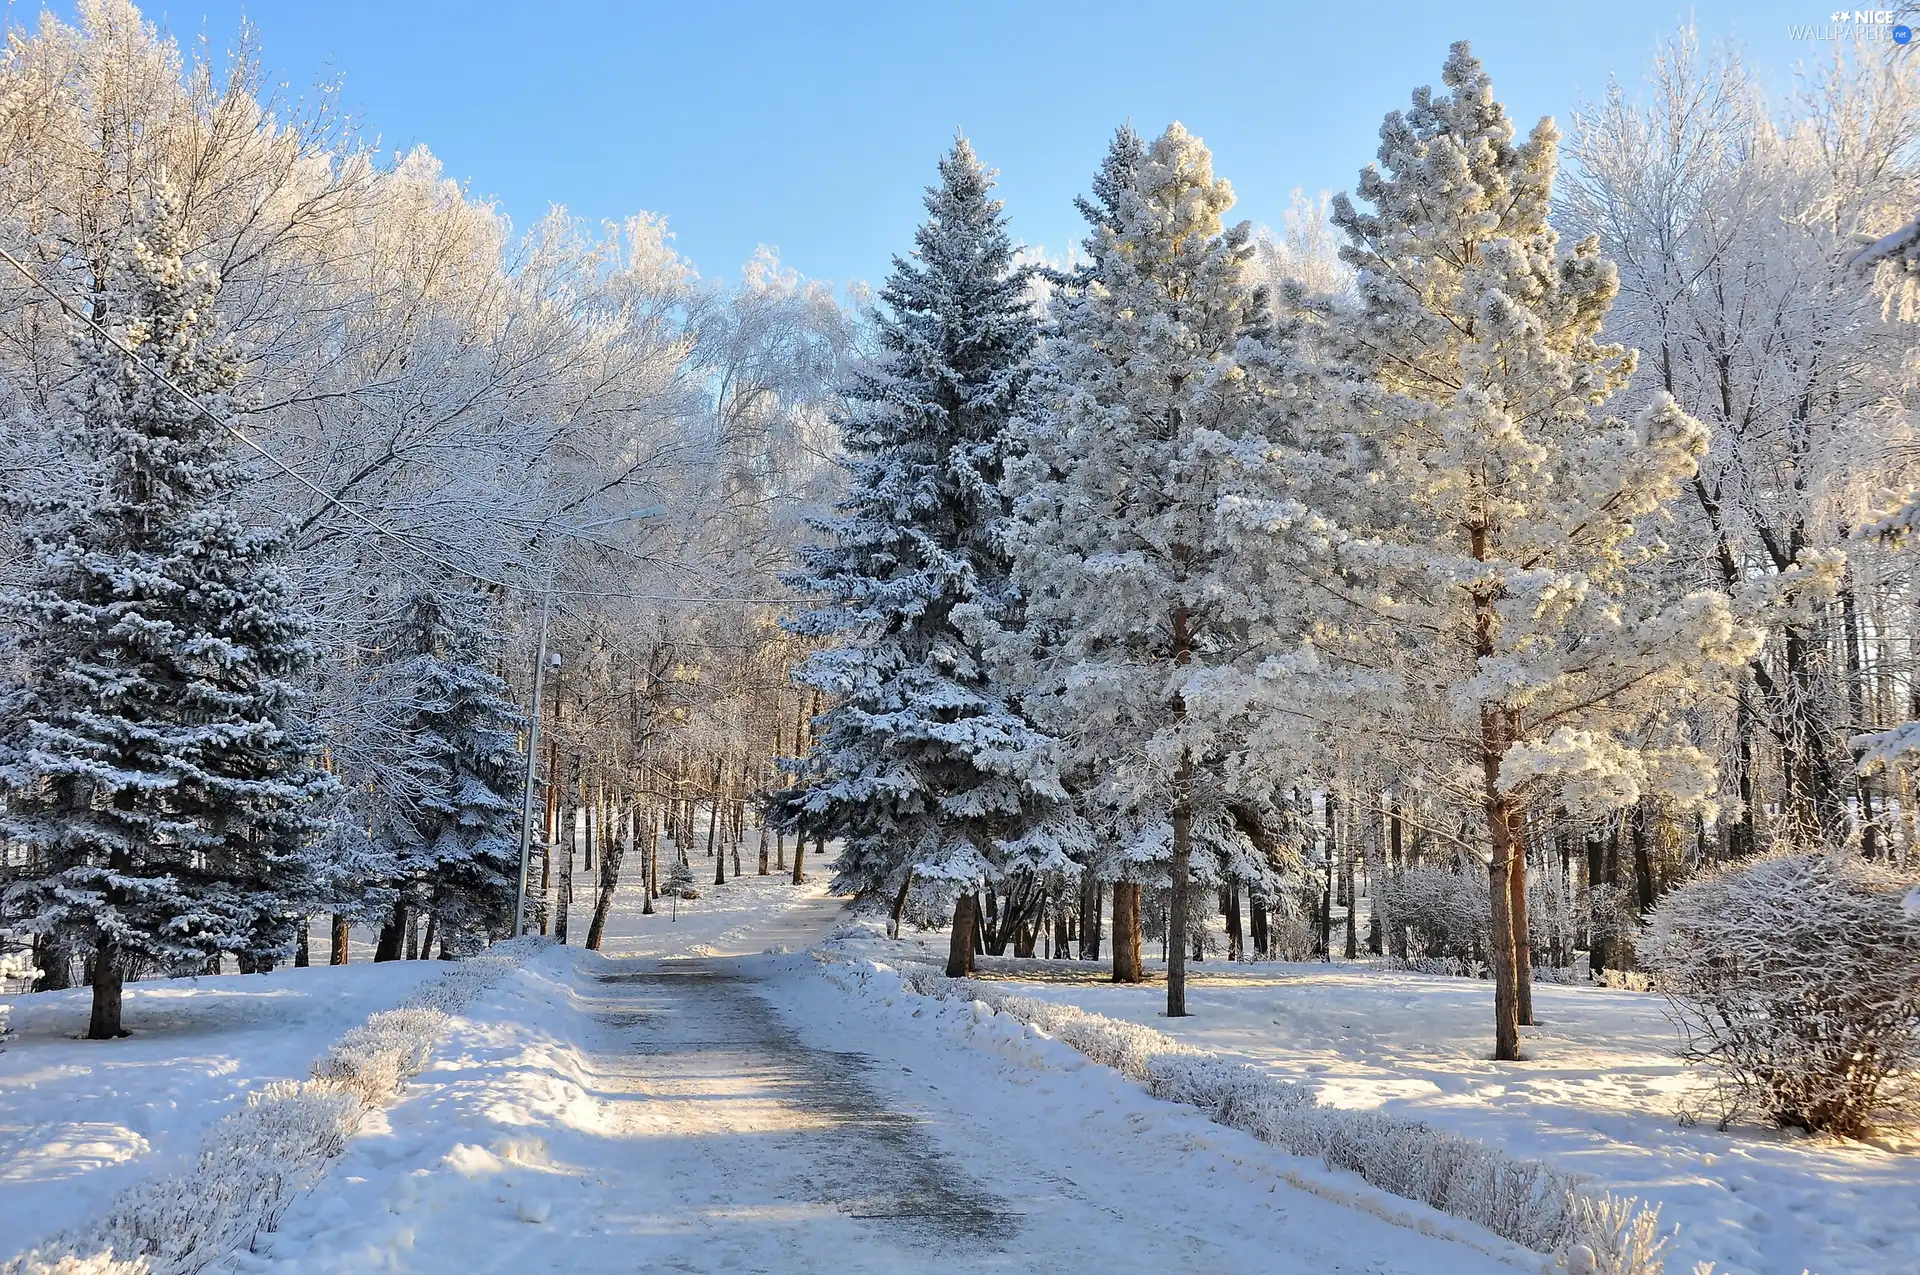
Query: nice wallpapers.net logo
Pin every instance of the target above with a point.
(1843, 24)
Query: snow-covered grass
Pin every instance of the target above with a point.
(257, 1157)
(1526, 1201)
(81, 1120)
(1598, 1096)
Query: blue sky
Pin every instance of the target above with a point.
(812, 125)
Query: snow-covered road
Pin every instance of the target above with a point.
(742, 1113)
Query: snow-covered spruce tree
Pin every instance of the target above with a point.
(455, 827)
(1474, 531)
(151, 757)
(1144, 400)
(922, 765)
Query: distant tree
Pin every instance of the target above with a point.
(456, 824)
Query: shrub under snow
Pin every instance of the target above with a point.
(257, 1158)
(1526, 1201)
(1795, 982)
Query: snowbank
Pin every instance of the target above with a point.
(256, 1159)
(1528, 1202)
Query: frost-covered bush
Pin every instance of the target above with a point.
(1291, 933)
(1526, 1201)
(1795, 982)
(256, 1159)
(1445, 912)
(1626, 980)
(1447, 966)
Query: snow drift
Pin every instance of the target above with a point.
(257, 1158)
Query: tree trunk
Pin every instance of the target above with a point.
(1177, 904)
(108, 977)
(899, 902)
(1596, 923)
(1325, 950)
(391, 944)
(654, 829)
(1522, 927)
(426, 939)
(1353, 906)
(612, 855)
(800, 857)
(1642, 860)
(339, 941)
(960, 942)
(1506, 1007)
(1742, 838)
(303, 944)
(563, 895)
(1090, 891)
(1127, 966)
(55, 963)
(763, 847)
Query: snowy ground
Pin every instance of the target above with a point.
(721, 1112)
(703, 1096)
(80, 1119)
(1598, 1095)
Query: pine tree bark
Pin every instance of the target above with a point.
(1127, 965)
(960, 943)
(1177, 903)
(339, 941)
(55, 963)
(1506, 1006)
(109, 977)
(303, 944)
(1090, 891)
(1522, 932)
(1182, 820)
(393, 935)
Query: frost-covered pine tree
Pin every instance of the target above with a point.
(1480, 541)
(455, 826)
(151, 757)
(922, 765)
(1146, 400)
